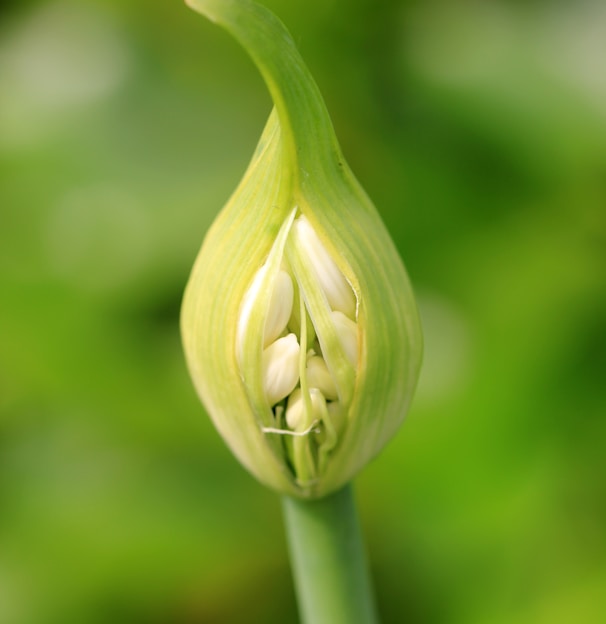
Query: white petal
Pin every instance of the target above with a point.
(281, 368)
(295, 409)
(280, 307)
(337, 289)
(295, 412)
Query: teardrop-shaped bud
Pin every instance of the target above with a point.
(299, 323)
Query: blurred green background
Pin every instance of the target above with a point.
(479, 129)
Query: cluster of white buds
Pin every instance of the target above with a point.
(310, 348)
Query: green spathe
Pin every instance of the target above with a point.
(297, 169)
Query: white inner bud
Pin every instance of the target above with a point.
(280, 367)
(295, 412)
(337, 289)
(318, 376)
(347, 331)
(280, 307)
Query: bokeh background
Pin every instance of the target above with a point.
(479, 129)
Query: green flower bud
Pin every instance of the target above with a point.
(299, 323)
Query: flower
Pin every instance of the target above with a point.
(299, 324)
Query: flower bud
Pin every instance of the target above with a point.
(338, 292)
(318, 376)
(299, 324)
(280, 366)
(280, 308)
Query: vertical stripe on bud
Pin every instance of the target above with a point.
(347, 331)
(248, 303)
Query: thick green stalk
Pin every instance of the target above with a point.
(328, 561)
(306, 128)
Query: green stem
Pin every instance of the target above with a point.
(328, 561)
(306, 128)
